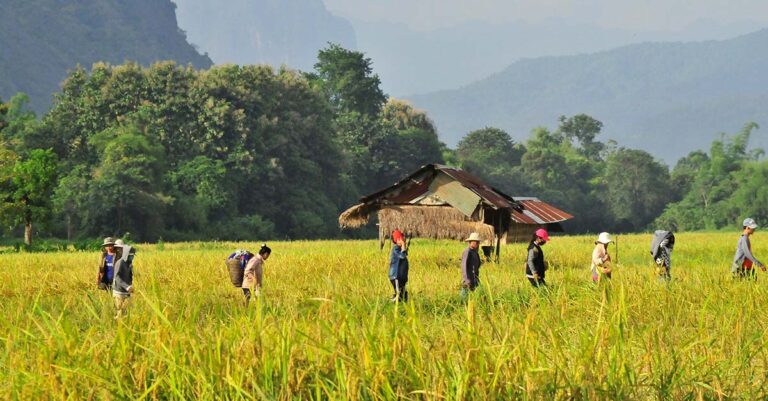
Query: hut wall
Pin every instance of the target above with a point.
(438, 222)
(520, 232)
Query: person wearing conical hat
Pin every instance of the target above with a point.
(535, 266)
(106, 264)
(470, 265)
(601, 259)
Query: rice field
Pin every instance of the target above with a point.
(324, 329)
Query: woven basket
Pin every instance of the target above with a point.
(235, 271)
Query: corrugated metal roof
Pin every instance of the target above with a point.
(536, 211)
(492, 196)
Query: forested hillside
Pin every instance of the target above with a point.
(272, 32)
(666, 98)
(40, 40)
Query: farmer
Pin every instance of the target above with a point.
(398, 267)
(535, 267)
(236, 263)
(744, 261)
(601, 259)
(106, 264)
(661, 250)
(123, 283)
(470, 265)
(254, 271)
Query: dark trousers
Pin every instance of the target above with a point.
(398, 285)
(247, 294)
(537, 283)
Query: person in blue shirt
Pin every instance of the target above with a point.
(398, 267)
(107, 264)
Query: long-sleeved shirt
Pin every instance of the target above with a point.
(599, 258)
(470, 268)
(743, 253)
(123, 280)
(398, 264)
(534, 265)
(254, 271)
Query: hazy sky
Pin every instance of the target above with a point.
(642, 15)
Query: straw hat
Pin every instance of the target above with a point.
(473, 237)
(604, 238)
(109, 241)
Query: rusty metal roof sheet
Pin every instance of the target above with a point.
(536, 211)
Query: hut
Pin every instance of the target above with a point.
(448, 203)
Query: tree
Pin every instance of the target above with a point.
(27, 194)
(347, 79)
(715, 197)
(583, 129)
(638, 188)
(17, 121)
(491, 154)
(125, 193)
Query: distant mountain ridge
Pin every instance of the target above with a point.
(667, 98)
(272, 32)
(40, 40)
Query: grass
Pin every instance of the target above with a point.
(323, 328)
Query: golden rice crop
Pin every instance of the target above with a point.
(324, 329)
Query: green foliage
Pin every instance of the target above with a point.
(637, 186)
(26, 190)
(347, 79)
(724, 186)
(171, 149)
(492, 154)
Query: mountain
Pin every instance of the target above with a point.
(40, 40)
(263, 31)
(667, 98)
(416, 61)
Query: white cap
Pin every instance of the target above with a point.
(748, 222)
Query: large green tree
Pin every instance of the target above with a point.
(491, 154)
(637, 186)
(346, 77)
(26, 191)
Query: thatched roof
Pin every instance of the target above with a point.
(356, 216)
(439, 222)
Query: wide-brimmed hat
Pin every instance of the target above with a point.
(109, 241)
(604, 238)
(473, 237)
(748, 222)
(119, 243)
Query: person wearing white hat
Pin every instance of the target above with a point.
(601, 259)
(744, 261)
(470, 265)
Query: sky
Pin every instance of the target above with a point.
(644, 15)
